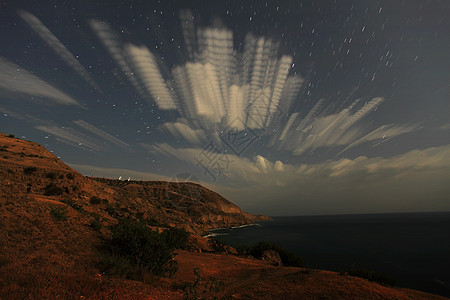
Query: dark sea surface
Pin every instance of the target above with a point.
(412, 248)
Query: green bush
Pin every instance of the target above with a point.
(95, 222)
(72, 204)
(201, 288)
(29, 170)
(59, 213)
(217, 246)
(110, 210)
(176, 238)
(95, 200)
(52, 189)
(288, 258)
(11, 135)
(51, 175)
(70, 176)
(142, 248)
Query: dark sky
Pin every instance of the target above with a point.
(285, 107)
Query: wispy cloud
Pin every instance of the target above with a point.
(54, 43)
(71, 137)
(115, 173)
(412, 181)
(221, 87)
(216, 86)
(102, 134)
(116, 49)
(16, 80)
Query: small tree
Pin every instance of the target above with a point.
(143, 248)
(52, 189)
(29, 170)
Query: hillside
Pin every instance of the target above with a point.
(49, 247)
(29, 171)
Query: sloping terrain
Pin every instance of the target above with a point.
(49, 246)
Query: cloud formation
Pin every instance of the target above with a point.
(413, 181)
(217, 87)
(70, 137)
(222, 88)
(102, 134)
(16, 80)
(53, 42)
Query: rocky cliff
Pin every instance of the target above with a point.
(28, 170)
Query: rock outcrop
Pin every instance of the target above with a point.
(272, 257)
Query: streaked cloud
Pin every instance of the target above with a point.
(17, 80)
(71, 137)
(102, 134)
(116, 49)
(53, 42)
(221, 87)
(218, 87)
(115, 173)
(412, 181)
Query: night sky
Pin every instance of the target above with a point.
(284, 107)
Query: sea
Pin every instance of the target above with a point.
(411, 248)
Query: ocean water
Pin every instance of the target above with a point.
(412, 248)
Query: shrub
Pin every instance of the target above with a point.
(142, 249)
(111, 211)
(72, 204)
(11, 135)
(370, 275)
(201, 288)
(95, 222)
(70, 176)
(52, 189)
(176, 238)
(29, 170)
(105, 201)
(288, 258)
(95, 200)
(217, 246)
(59, 213)
(51, 175)
(61, 176)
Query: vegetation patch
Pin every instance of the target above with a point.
(288, 258)
(52, 189)
(70, 176)
(51, 175)
(59, 213)
(134, 249)
(176, 238)
(95, 200)
(201, 288)
(95, 222)
(29, 170)
(72, 203)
